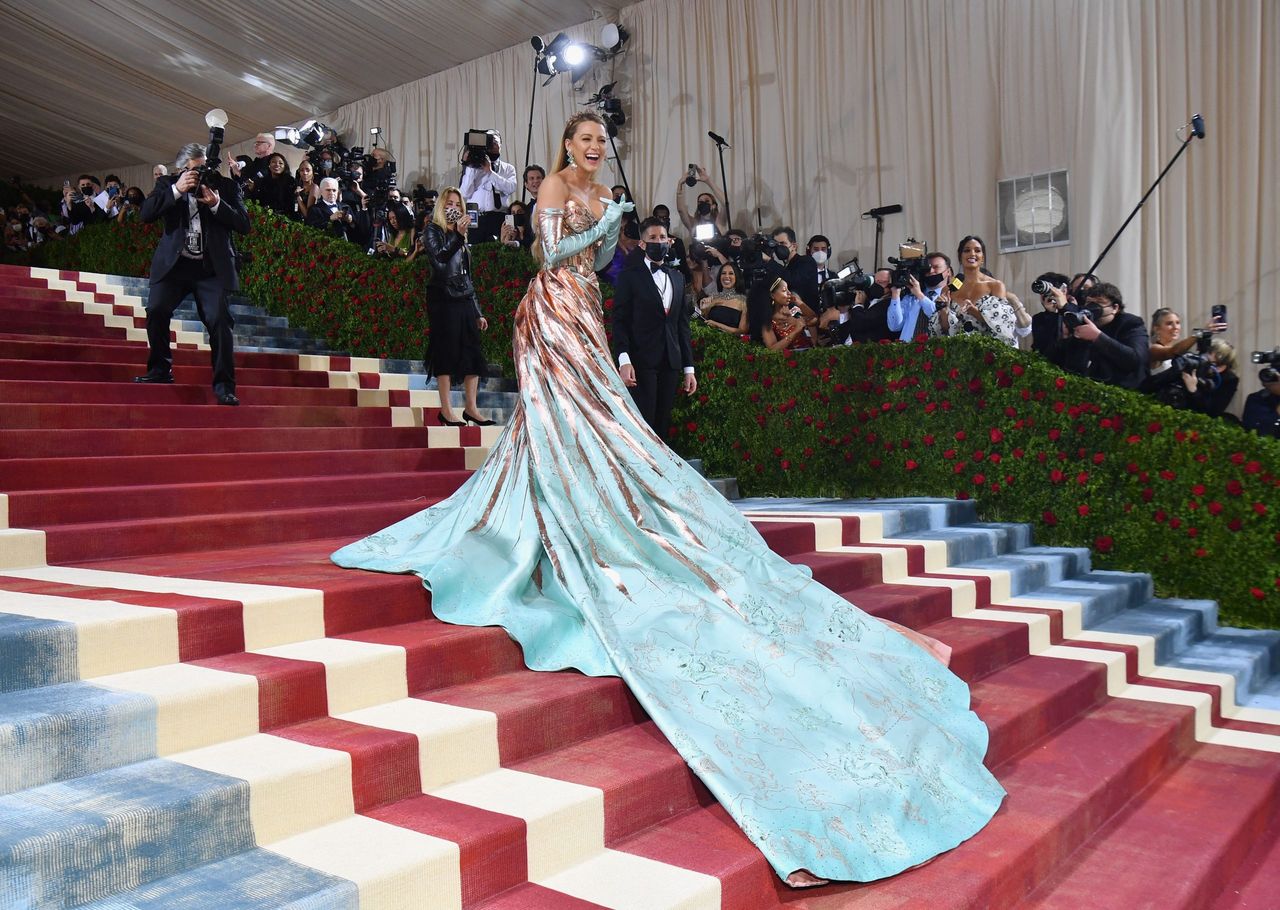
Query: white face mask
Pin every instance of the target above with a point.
(820, 257)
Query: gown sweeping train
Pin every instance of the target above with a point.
(840, 745)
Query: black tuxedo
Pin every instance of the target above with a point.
(318, 217)
(657, 342)
(802, 279)
(209, 278)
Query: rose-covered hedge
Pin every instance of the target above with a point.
(366, 306)
(1192, 500)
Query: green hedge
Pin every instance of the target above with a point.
(1192, 500)
(367, 306)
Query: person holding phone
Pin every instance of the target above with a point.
(515, 228)
(1166, 335)
(453, 346)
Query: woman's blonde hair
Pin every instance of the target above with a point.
(1224, 354)
(437, 214)
(559, 157)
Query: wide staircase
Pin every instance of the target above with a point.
(198, 710)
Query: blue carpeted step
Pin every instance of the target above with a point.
(1266, 695)
(1250, 655)
(81, 840)
(36, 652)
(1103, 594)
(1174, 624)
(251, 880)
(60, 732)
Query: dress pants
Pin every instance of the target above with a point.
(192, 276)
(654, 394)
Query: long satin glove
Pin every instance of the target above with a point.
(613, 212)
(557, 246)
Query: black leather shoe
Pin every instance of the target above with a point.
(228, 398)
(157, 378)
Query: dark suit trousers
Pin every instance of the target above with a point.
(654, 394)
(189, 276)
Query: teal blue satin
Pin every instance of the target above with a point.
(838, 745)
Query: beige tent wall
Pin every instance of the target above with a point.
(835, 106)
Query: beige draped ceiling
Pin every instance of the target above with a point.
(835, 106)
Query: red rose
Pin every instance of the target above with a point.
(1175, 523)
(1237, 457)
(1153, 428)
(1050, 519)
(1082, 510)
(1201, 552)
(1099, 458)
(1167, 475)
(912, 465)
(1103, 544)
(1214, 507)
(1235, 524)
(1258, 593)
(1234, 487)
(1259, 508)
(1082, 478)
(1059, 383)
(1057, 476)
(979, 479)
(1198, 490)
(996, 435)
(1132, 440)
(927, 440)
(1252, 467)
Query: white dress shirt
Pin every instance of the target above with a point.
(478, 185)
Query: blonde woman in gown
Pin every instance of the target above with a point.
(843, 747)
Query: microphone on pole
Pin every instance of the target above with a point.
(882, 211)
(718, 140)
(1197, 126)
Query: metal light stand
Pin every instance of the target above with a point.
(724, 183)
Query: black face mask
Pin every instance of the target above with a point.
(493, 156)
(656, 251)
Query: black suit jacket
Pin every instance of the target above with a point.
(318, 217)
(653, 339)
(217, 227)
(802, 279)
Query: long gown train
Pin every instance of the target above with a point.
(837, 744)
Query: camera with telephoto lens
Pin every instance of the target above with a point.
(1272, 356)
(841, 291)
(477, 148)
(912, 261)
(1040, 287)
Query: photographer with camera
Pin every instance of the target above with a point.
(1262, 408)
(252, 174)
(199, 209)
(1211, 389)
(487, 180)
(709, 209)
(910, 317)
(819, 250)
(81, 206)
(856, 315)
(1167, 342)
(329, 214)
(1100, 340)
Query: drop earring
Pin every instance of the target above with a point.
(569, 157)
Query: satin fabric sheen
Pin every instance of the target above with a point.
(837, 744)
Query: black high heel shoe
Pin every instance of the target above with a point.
(444, 421)
(478, 421)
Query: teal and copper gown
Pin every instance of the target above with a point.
(840, 745)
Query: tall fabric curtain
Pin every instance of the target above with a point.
(833, 107)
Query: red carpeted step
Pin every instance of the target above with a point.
(289, 691)
(77, 443)
(492, 847)
(787, 538)
(440, 656)
(110, 350)
(50, 508)
(535, 897)
(1256, 882)
(842, 571)
(539, 712)
(75, 543)
(183, 416)
(141, 470)
(1148, 862)
(980, 648)
(14, 391)
(644, 779)
(196, 374)
(913, 606)
(384, 763)
(44, 324)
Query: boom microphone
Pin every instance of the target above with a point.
(882, 211)
(719, 140)
(1197, 126)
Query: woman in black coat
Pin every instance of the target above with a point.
(453, 348)
(276, 192)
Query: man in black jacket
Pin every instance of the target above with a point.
(329, 213)
(651, 331)
(799, 269)
(195, 256)
(1112, 346)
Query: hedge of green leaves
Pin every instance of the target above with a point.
(1192, 500)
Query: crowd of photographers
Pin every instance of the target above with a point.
(763, 287)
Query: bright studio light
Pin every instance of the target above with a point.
(574, 54)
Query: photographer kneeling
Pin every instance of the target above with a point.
(1102, 341)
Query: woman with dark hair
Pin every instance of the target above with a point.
(726, 309)
(779, 319)
(519, 233)
(840, 743)
(980, 304)
(453, 347)
(397, 234)
(132, 206)
(305, 189)
(276, 190)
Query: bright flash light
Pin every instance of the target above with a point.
(574, 54)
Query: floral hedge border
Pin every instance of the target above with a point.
(1190, 499)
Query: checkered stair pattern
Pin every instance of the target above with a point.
(198, 710)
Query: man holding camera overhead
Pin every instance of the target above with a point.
(487, 181)
(909, 317)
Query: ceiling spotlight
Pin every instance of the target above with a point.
(216, 118)
(313, 132)
(613, 37)
(574, 55)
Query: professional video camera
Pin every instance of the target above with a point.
(1167, 386)
(841, 290)
(758, 256)
(477, 146)
(912, 261)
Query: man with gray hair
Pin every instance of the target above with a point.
(329, 213)
(195, 256)
(255, 173)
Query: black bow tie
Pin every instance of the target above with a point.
(655, 267)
